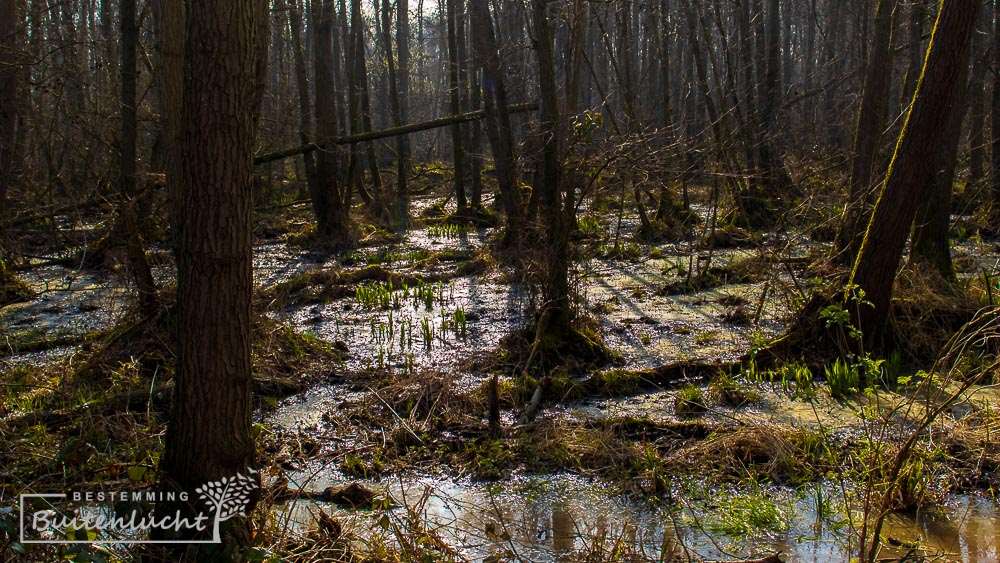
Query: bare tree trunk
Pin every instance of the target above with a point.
(208, 436)
(871, 121)
(912, 166)
(396, 113)
(331, 201)
(995, 124)
(454, 89)
(832, 58)
(471, 137)
(403, 99)
(915, 31)
(809, 68)
(776, 180)
(302, 83)
(476, 140)
(498, 126)
(666, 200)
(751, 131)
(135, 251)
(556, 313)
(977, 109)
(929, 242)
(170, 21)
(8, 97)
(360, 79)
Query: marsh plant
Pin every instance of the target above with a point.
(690, 401)
(449, 230)
(842, 377)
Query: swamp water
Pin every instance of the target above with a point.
(539, 517)
(562, 518)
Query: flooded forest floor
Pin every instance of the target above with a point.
(372, 370)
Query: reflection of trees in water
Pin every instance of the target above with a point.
(563, 532)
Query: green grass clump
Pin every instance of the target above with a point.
(448, 230)
(747, 514)
(377, 296)
(706, 337)
(842, 377)
(891, 368)
(727, 391)
(690, 401)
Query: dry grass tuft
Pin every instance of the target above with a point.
(927, 310)
(780, 453)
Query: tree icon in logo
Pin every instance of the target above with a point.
(229, 497)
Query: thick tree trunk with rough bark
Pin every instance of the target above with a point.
(929, 244)
(170, 21)
(208, 436)
(912, 165)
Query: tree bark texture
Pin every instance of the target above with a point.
(208, 437)
(912, 165)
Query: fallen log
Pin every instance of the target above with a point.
(390, 132)
(43, 345)
(156, 399)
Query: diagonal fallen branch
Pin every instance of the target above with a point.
(390, 132)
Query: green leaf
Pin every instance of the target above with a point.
(137, 472)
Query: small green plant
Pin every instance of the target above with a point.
(891, 368)
(671, 267)
(727, 391)
(706, 337)
(448, 230)
(803, 382)
(459, 322)
(655, 252)
(645, 338)
(589, 225)
(796, 378)
(747, 514)
(376, 296)
(424, 293)
(690, 401)
(354, 466)
(842, 377)
(427, 331)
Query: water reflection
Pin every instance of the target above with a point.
(562, 519)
